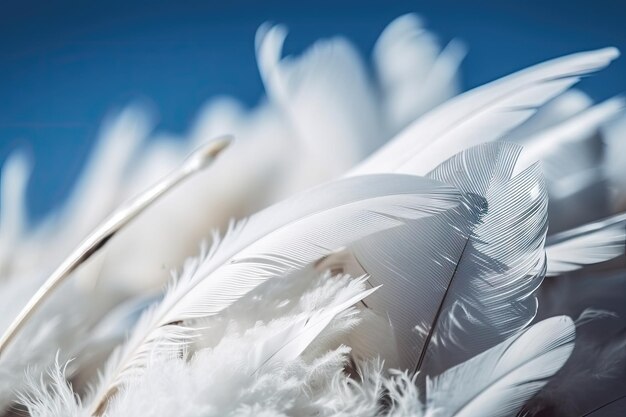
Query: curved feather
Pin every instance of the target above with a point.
(585, 245)
(481, 115)
(465, 280)
(554, 112)
(325, 95)
(288, 343)
(572, 154)
(415, 74)
(498, 382)
(275, 241)
(550, 145)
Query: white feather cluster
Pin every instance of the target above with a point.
(407, 284)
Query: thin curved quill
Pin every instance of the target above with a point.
(273, 242)
(613, 408)
(96, 240)
(466, 280)
(585, 245)
(481, 115)
(498, 382)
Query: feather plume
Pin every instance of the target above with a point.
(589, 244)
(290, 341)
(414, 73)
(284, 237)
(481, 115)
(593, 376)
(498, 382)
(553, 145)
(465, 280)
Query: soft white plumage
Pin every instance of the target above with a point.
(378, 293)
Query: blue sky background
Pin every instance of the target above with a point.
(64, 65)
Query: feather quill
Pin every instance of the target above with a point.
(197, 161)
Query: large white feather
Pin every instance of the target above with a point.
(481, 115)
(499, 381)
(464, 280)
(282, 238)
(589, 244)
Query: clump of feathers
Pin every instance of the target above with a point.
(436, 276)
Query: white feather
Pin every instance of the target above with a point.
(589, 244)
(547, 145)
(499, 381)
(14, 180)
(481, 115)
(414, 73)
(325, 95)
(464, 280)
(290, 341)
(555, 111)
(282, 238)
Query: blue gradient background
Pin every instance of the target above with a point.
(65, 65)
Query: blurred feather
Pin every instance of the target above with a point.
(15, 174)
(325, 95)
(558, 110)
(550, 145)
(460, 263)
(584, 245)
(614, 135)
(414, 73)
(572, 155)
(481, 115)
(58, 325)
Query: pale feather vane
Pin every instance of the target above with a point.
(499, 381)
(588, 244)
(481, 115)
